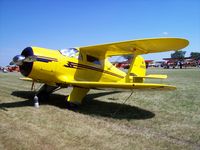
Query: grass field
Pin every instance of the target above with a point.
(148, 120)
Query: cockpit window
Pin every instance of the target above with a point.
(70, 52)
(93, 60)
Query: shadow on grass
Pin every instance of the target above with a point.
(90, 106)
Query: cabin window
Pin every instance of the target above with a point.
(70, 52)
(80, 56)
(93, 60)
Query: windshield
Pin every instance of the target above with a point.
(70, 52)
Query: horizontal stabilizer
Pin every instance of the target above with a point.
(152, 76)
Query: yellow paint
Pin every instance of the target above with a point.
(137, 69)
(77, 95)
(80, 73)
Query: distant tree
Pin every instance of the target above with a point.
(178, 54)
(195, 55)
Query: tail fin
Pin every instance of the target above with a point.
(137, 69)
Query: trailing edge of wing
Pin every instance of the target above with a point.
(87, 84)
(141, 46)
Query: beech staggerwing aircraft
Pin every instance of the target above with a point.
(88, 67)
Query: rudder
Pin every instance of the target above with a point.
(137, 69)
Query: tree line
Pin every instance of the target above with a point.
(181, 55)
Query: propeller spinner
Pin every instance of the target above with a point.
(20, 59)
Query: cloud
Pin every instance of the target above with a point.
(165, 33)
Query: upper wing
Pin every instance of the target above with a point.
(142, 46)
(87, 84)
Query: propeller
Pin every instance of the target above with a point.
(20, 59)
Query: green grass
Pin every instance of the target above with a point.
(148, 120)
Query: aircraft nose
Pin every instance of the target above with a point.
(25, 61)
(18, 60)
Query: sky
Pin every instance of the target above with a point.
(58, 24)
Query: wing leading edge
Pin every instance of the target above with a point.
(88, 84)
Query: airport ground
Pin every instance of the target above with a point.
(147, 120)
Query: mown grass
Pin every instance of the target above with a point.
(148, 120)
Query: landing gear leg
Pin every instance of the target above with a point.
(43, 94)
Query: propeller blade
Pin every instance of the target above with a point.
(20, 59)
(30, 59)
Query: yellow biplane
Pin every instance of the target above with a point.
(88, 67)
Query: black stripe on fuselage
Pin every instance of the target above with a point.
(45, 59)
(82, 66)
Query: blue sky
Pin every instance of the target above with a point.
(58, 24)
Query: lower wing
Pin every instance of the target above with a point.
(87, 84)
